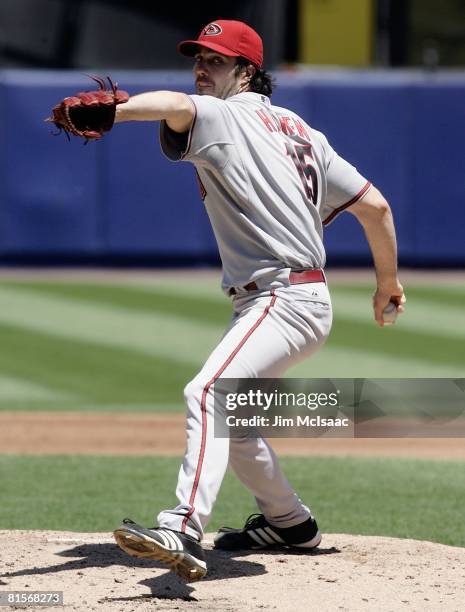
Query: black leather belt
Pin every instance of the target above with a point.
(295, 278)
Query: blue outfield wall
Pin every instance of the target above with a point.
(121, 197)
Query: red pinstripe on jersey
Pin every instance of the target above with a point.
(203, 407)
(336, 211)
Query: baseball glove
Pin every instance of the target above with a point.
(89, 114)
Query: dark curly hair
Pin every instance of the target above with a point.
(262, 82)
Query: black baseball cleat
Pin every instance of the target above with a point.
(181, 552)
(258, 533)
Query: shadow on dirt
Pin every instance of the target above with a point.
(221, 565)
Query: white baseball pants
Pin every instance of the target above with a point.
(271, 330)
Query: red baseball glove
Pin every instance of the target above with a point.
(89, 114)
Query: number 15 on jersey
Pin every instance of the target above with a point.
(301, 154)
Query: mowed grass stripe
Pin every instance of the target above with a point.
(419, 315)
(161, 335)
(203, 304)
(395, 341)
(200, 308)
(191, 340)
(89, 370)
(14, 389)
(191, 285)
(344, 362)
(348, 304)
(451, 295)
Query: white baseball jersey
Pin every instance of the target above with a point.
(269, 182)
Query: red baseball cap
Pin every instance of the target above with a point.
(228, 37)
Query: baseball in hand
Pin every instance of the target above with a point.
(390, 314)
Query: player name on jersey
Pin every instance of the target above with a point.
(290, 126)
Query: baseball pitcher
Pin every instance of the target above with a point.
(270, 182)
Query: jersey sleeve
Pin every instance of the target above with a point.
(209, 127)
(345, 185)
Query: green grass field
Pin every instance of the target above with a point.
(134, 344)
(401, 498)
(131, 345)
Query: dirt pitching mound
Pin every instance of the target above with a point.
(346, 573)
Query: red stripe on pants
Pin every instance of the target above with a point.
(203, 408)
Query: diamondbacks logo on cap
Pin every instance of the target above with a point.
(212, 29)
